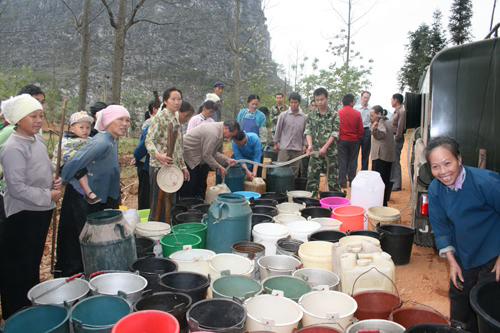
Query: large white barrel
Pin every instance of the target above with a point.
(367, 190)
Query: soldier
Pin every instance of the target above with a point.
(322, 133)
(276, 110)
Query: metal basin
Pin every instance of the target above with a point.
(68, 293)
(128, 285)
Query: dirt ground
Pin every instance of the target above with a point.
(424, 280)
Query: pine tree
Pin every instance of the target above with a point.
(460, 21)
(437, 38)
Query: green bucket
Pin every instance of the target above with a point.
(238, 286)
(198, 229)
(175, 242)
(291, 287)
(144, 215)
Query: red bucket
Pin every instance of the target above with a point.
(416, 315)
(147, 321)
(352, 217)
(375, 304)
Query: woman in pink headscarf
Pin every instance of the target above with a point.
(99, 161)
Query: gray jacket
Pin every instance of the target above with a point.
(383, 146)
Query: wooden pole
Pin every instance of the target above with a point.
(57, 174)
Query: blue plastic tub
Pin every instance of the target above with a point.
(248, 195)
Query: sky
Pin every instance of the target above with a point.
(305, 27)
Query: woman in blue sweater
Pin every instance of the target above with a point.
(464, 208)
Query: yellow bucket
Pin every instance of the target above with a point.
(317, 254)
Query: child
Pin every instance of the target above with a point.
(79, 130)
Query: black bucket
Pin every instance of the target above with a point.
(313, 212)
(261, 218)
(331, 236)
(144, 246)
(428, 328)
(300, 183)
(152, 268)
(193, 284)
(217, 315)
(266, 210)
(368, 233)
(189, 202)
(192, 216)
(331, 194)
(310, 202)
(279, 197)
(177, 304)
(397, 240)
(263, 202)
(484, 298)
(201, 208)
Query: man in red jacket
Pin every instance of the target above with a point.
(351, 133)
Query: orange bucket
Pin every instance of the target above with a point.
(352, 218)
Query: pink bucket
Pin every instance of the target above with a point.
(334, 202)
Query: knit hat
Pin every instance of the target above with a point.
(212, 97)
(80, 117)
(108, 115)
(16, 108)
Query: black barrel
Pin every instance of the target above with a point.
(484, 299)
(313, 212)
(152, 268)
(332, 236)
(279, 197)
(177, 304)
(191, 216)
(331, 194)
(266, 210)
(193, 284)
(217, 315)
(144, 247)
(310, 202)
(397, 240)
(263, 202)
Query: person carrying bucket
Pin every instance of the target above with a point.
(464, 211)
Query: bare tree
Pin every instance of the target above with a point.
(493, 13)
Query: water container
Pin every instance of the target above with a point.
(268, 234)
(191, 216)
(266, 210)
(313, 212)
(302, 229)
(147, 321)
(256, 185)
(354, 244)
(201, 208)
(175, 242)
(217, 315)
(334, 202)
(151, 268)
(39, 319)
(367, 190)
(327, 194)
(276, 265)
(198, 229)
(249, 195)
(309, 202)
(382, 215)
(331, 308)
(376, 325)
(397, 240)
(229, 220)
(317, 254)
(153, 230)
(484, 301)
(281, 180)
(289, 286)
(298, 194)
(272, 313)
(288, 246)
(252, 251)
(230, 263)
(236, 286)
(144, 246)
(279, 197)
(263, 202)
(287, 218)
(352, 217)
(214, 191)
(177, 304)
(261, 218)
(366, 272)
(318, 279)
(328, 223)
(193, 260)
(193, 284)
(410, 316)
(290, 208)
(235, 178)
(107, 243)
(69, 293)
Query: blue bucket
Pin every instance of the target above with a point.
(39, 319)
(248, 195)
(98, 314)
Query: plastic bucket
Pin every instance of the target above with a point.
(261, 218)
(382, 215)
(288, 246)
(327, 223)
(297, 194)
(318, 279)
(290, 208)
(288, 286)
(39, 319)
(317, 254)
(201, 208)
(375, 304)
(250, 250)
(331, 236)
(328, 194)
(302, 229)
(148, 321)
(312, 212)
(309, 202)
(375, 325)
(235, 286)
(268, 234)
(248, 194)
(230, 263)
(279, 197)
(334, 202)
(367, 233)
(68, 293)
(177, 304)
(151, 268)
(217, 315)
(352, 217)
(275, 265)
(287, 218)
(191, 216)
(193, 260)
(429, 328)
(175, 242)
(144, 246)
(266, 210)
(397, 240)
(327, 307)
(272, 313)
(193, 284)
(198, 229)
(416, 315)
(98, 313)
(143, 214)
(263, 202)
(153, 230)
(484, 299)
(319, 329)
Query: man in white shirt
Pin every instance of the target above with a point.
(365, 143)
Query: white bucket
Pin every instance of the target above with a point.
(298, 194)
(302, 229)
(232, 263)
(317, 254)
(193, 260)
(268, 234)
(329, 308)
(328, 223)
(153, 230)
(290, 208)
(272, 313)
(287, 218)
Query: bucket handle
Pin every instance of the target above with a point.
(122, 294)
(77, 323)
(422, 305)
(383, 274)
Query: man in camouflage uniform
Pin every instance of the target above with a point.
(322, 133)
(276, 110)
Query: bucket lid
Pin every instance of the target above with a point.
(170, 179)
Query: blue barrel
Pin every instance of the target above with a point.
(235, 178)
(39, 319)
(280, 180)
(229, 220)
(107, 243)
